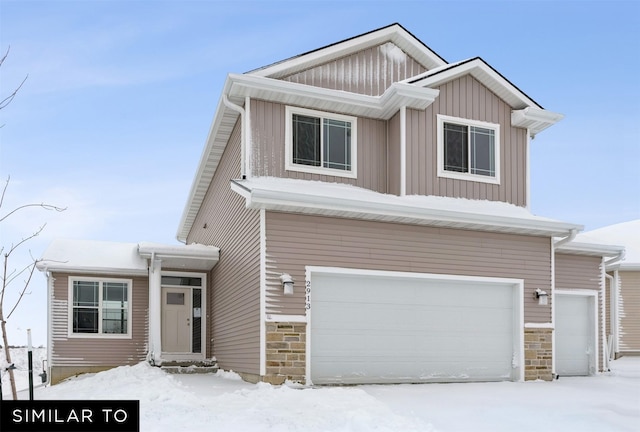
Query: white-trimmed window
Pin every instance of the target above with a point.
(468, 149)
(320, 143)
(99, 307)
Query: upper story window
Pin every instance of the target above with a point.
(320, 143)
(99, 307)
(468, 149)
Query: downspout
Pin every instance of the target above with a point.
(50, 281)
(528, 170)
(243, 138)
(613, 307)
(610, 349)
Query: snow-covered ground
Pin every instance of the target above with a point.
(223, 402)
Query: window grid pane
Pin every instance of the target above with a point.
(482, 147)
(337, 144)
(455, 148)
(306, 140)
(85, 293)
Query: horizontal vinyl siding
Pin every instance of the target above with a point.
(268, 122)
(295, 241)
(629, 306)
(370, 71)
(234, 300)
(584, 273)
(66, 351)
(465, 98)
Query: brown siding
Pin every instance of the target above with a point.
(629, 306)
(370, 71)
(393, 173)
(234, 294)
(466, 98)
(294, 241)
(582, 272)
(268, 121)
(66, 351)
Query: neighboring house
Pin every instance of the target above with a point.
(623, 286)
(370, 203)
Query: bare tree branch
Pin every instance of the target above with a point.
(42, 205)
(7, 100)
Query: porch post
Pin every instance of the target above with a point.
(155, 301)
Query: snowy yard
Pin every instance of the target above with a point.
(223, 402)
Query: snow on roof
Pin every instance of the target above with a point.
(337, 199)
(93, 256)
(625, 234)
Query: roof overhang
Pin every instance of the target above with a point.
(191, 257)
(534, 119)
(394, 33)
(335, 200)
(590, 249)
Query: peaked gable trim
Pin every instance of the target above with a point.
(484, 73)
(393, 33)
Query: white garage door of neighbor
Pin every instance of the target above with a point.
(575, 334)
(392, 329)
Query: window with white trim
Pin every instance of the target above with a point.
(468, 149)
(320, 143)
(99, 307)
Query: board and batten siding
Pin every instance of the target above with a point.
(370, 71)
(629, 311)
(295, 241)
(98, 351)
(579, 272)
(268, 122)
(466, 98)
(233, 301)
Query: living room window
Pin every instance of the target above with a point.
(320, 143)
(99, 307)
(468, 149)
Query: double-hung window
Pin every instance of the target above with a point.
(320, 143)
(468, 149)
(99, 307)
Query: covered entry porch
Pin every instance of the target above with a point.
(177, 300)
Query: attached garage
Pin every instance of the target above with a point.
(393, 327)
(576, 329)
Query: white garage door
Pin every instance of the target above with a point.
(575, 334)
(386, 328)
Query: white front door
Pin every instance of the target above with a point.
(176, 320)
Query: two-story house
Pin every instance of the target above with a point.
(366, 211)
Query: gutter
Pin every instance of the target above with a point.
(567, 239)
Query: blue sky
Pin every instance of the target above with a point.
(113, 117)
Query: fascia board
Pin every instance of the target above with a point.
(534, 119)
(93, 270)
(395, 33)
(206, 169)
(397, 95)
(159, 252)
(485, 74)
(260, 198)
(590, 249)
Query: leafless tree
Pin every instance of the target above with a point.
(19, 277)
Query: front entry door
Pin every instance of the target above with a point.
(176, 320)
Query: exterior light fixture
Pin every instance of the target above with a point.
(542, 296)
(287, 283)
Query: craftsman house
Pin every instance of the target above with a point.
(360, 214)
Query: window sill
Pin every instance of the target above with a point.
(469, 177)
(321, 171)
(97, 336)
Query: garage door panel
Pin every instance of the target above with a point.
(390, 329)
(575, 337)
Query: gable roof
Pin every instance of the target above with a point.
(415, 93)
(625, 234)
(392, 33)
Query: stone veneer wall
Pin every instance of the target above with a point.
(286, 352)
(538, 354)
